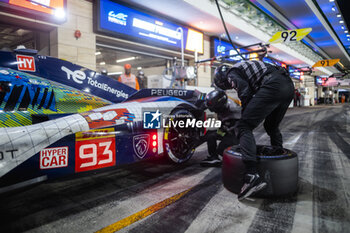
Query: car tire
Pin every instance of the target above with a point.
(180, 143)
(279, 170)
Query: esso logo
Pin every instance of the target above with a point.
(78, 76)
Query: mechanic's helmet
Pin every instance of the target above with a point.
(220, 79)
(216, 100)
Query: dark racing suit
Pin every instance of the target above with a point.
(265, 92)
(225, 134)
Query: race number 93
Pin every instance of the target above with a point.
(94, 154)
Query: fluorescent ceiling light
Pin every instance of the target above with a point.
(102, 63)
(331, 0)
(59, 13)
(346, 31)
(342, 27)
(115, 73)
(139, 68)
(333, 8)
(126, 59)
(341, 21)
(338, 15)
(97, 53)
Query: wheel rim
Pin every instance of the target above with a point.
(180, 142)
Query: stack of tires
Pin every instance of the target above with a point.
(279, 168)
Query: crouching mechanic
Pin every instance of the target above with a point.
(265, 92)
(228, 112)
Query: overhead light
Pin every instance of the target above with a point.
(331, 0)
(102, 63)
(60, 13)
(348, 39)
(346, 31)
(348, 35)
(139, 68)
(115, 73)
(97, 53)
(333, 8)
(236, 37)
(338, 15)
(341, 21)
(342, 27)
(126, 59)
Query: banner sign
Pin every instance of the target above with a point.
(55, 9)
(223, 48)
(69, 74)
(295, 73)
(116, 18)
(290, 35)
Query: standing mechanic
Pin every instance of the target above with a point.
(128, 78)
(228, 112)
(265, 91)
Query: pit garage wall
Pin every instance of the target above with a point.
(64, 45)
(81, 51)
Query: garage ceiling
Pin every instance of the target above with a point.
(296, 11)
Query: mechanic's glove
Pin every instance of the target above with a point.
(221, 79)
(220, 132)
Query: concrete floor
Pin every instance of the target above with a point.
(158, 197)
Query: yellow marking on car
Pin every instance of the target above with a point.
(142, 214)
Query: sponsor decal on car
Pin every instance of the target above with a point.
(25, 63)
(141, 145)
(79, 77)
(168, 92)
(94, 149)
(108, 117)
(55, 157)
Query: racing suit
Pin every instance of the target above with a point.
(265, 92)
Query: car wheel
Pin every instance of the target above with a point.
(279, 168)
(180, 142)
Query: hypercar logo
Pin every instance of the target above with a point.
(152, 120)
(25, 63)
(54, 157)
(141, 145)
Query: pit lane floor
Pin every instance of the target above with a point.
(158, 197)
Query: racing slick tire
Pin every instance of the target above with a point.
(279, 170)
(179, 142)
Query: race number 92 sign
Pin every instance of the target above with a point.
(290, 35)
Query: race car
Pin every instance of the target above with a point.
(59, 119)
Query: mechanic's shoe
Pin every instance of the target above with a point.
(253, 184)
(211, 161)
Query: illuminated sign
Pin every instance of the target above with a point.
(118, 19)
(56, 8)
(295, 73)
(274, 62)
(223, 48)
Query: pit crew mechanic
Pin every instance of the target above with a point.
(265, 92)
(228, 112)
